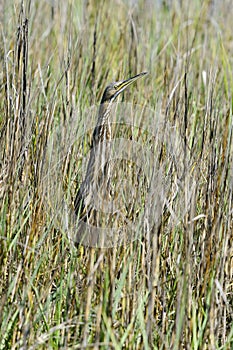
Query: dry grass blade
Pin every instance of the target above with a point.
(169, 284)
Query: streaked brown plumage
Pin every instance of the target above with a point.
(97, 169)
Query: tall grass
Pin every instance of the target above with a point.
(171, 288)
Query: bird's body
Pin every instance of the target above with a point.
(95, 190)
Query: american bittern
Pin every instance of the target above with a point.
(97, 174)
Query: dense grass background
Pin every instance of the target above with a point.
(173, 288)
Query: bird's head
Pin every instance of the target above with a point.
(114, 89)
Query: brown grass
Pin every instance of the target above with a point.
(171, 288)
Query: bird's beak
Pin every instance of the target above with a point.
(122, 85)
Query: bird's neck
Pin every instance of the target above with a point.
(104, 111)
(103, 129)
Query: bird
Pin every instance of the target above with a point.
(96, 181)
